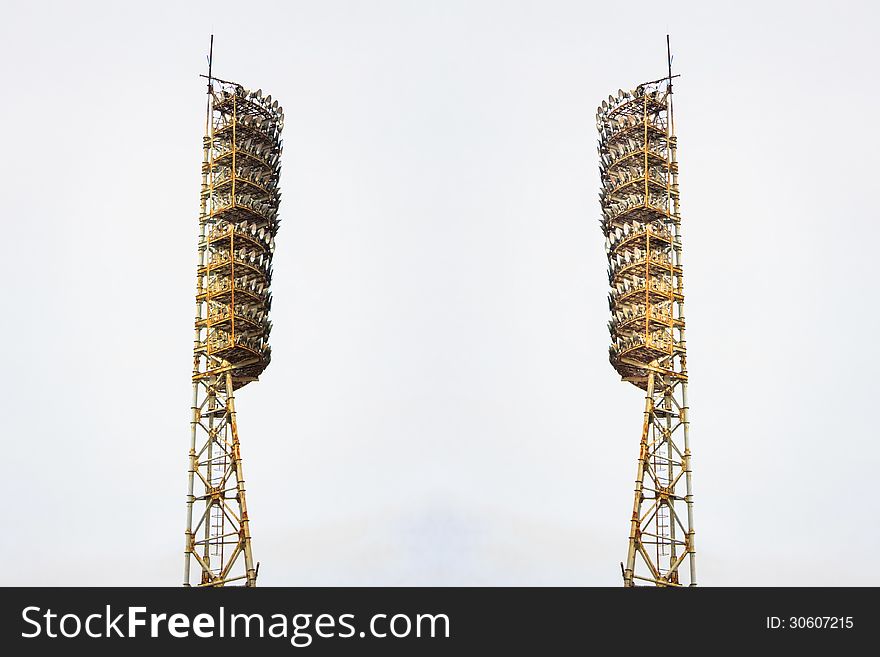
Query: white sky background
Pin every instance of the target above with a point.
(439, 409)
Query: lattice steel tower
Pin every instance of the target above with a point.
(237, 226)
(641, 222)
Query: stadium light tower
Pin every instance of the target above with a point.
(641, 223)
(237, 226)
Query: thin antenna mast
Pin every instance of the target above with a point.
(210, 94)
(669, 86)
(211, 62)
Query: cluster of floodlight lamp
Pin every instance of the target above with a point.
(638, 200)
(242, 170)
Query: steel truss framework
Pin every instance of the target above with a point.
(641, 222)
(237, 226)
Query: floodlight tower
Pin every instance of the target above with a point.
(641, 222)
(237, 227)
